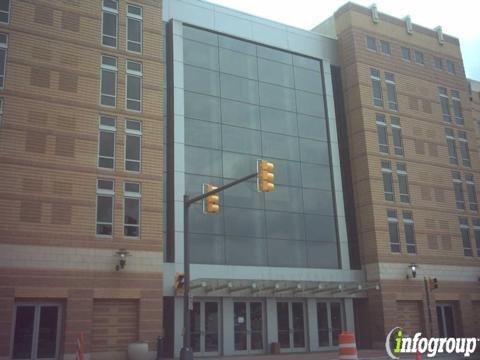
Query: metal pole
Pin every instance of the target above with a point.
(186, 353)
(427, 292)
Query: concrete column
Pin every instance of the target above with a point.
(227, 331)
(7, 307)
(349, 322)
(312, 325)
(272, 326)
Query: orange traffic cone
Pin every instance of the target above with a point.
(347, 348)
(418, 356)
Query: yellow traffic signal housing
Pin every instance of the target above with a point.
(211, 204)
(433, 283)
(179, 284)
(266, 177)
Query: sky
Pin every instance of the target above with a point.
(459, 19)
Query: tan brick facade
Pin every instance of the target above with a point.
(49, 150)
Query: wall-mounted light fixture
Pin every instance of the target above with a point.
(122, 261)
(413, 270)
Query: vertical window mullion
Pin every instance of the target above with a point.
(131, 209)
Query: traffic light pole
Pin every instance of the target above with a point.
(427, 292)
(186, 352)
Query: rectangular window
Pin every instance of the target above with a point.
(105, 193)
(452, 148)
(110, 23)
(3, 58)
(438, 62)
(457, 107)
(134, 28)
(471, 192)
(418, 55)
(391, 91)
(387, 180)
(406, 54)
(397, 136)
(393, 231)
(106, 142)
(131, 208)
(133, 145)
(5, 11)
(108, 88)
(451, 67)
(371, 43)
(382, 133)
(377, 87)
(443, 95)
(458, 190)
(409, 232)
(403, 182)
(465, 232)
(134, 86)
(464, 151)
(476, 232)
(385, 46)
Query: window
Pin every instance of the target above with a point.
(106, 142)
(397, 136)
(382, 133)
(131, 209)
(371, 43)
(385, 46)
(471, 192)
(108, 96)
(463, 142)
(134, 28)
(457, 107)
(458, 190)
(391, 91)
(465, 232)
(387, 180)
(393, 231)
(3, 58)
(476, 232)
(403, 182)
(110, 23)
(451, 67)
(438, 62)
(406, 54)
(443, 94)
(2, 105)
(377, 87)
(477, 123)
(409, 232)
(134, 85)
(418, 55)
(452, 148)
(105, 193)
(133, 145)
(5, 11)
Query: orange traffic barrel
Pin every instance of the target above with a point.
(347, 349)
(418, 356)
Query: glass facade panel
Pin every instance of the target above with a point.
(279, 121)
(308, 80)
(234, 63)
(275, 73)
(240, 89)
(277, 97)
(199, 54)
(203, 107)
(240, 114)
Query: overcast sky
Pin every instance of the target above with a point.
(460, 18)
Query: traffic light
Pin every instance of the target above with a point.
(179, 282)
(211, 204)
(433, 283)
(265, 176)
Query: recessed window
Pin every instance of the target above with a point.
(403, 182)
(393, 233)
(465, 232)
(108, 88)
(397, 136)
(134, 86)
(406, 54)
(371, 43)
(451, 67)
(106, 142)
(134, 28)
(443, 95)
(471, 192)
(458, 190)
(418, 56)
(5, 11)
(464, 150)
(457, 107)
(382, 133)
(110, 23)
(385, 46)
(131, 219)
(409, 229)
(476, 232)
(391, 91)
(133, 145)
(376, 87)
(3, 58)
(105, 194)
(438, 62)
(389, 192)
(452, 148)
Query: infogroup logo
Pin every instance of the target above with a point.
(398, 343)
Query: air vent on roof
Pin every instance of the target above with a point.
(408, 24)
(374, 10)
(439, 31)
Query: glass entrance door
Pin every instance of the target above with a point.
(291, 325)
(205, 325)
(36, 332)
(446, 320)
(248, 326)
(329, 322)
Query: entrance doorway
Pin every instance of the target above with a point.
(291, 325)
(248, 325)
(37, 331)
(446, 320)
(205, 325)
(329, 320)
